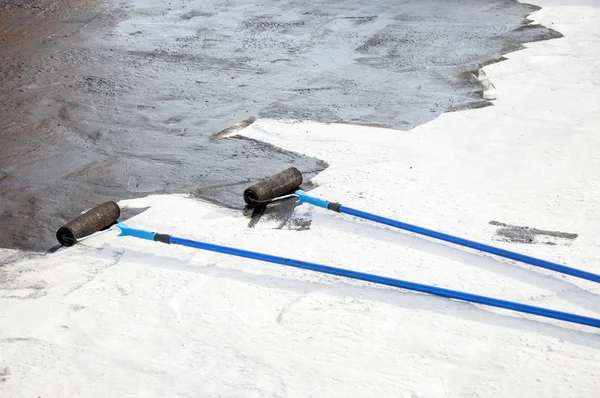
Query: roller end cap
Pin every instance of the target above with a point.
(65, 236)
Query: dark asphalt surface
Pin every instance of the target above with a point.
(106, 102)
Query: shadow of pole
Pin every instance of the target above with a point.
(366, 291)
(488, 262)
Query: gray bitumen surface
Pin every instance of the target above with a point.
(120, 102)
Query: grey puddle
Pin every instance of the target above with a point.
(118, 101)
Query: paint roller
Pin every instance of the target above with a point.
(105, 217)
(96, 219)
(273, 188)
(268, 189)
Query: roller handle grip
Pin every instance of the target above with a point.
(303, 197)
(139, 233)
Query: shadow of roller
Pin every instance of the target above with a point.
(106, 215)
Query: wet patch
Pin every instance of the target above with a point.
(98, 85)
(126, 108)
(528, 235)
(4, 373)
(358, 20)
(23, 5)
(195, 13)
(297, 223)
(282, 214)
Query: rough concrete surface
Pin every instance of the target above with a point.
(113, 100)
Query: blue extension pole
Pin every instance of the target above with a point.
(437, 291)
(304, 198)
